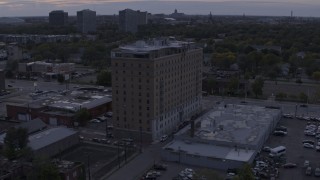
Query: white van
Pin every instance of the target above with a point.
(277, 151)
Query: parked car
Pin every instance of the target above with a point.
(266, 149)
(280, 133)
(105, 141)
(306, 163)
(317, 172)
(164, 138)
(94, 121)
(289, 116)
(281, 128)
(289, 165)
(161, 167)
(308, 141)
(309, 133)
(96, 140)
(108, 114)
(81, 137)
(307, 145)
(309, 171)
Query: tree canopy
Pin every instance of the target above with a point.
(257, 86)
(15, 141)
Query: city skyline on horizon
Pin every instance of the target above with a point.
(309, 8)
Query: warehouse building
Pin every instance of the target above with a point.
(226, 137)
(53, 141)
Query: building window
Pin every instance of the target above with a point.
(116, 64)
(139, 73)
(124, 65)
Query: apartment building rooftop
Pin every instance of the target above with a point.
(169, 45)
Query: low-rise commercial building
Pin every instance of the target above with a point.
(226, 137)
(54, 109)
(53, 141)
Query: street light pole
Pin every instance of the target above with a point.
(140, 139)
(118, 156)
(179, 155)
(106, 127)
(89, 173)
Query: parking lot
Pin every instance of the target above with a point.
(295, 152)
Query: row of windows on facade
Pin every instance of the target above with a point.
(168, 104)
(166, 71)
(128, 126)
(190, 94)
(173, 60)
(168, 82)
(132, 120)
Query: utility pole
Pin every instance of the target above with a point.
(179, 154)
(118, 156)
(107, 128)
(140, 139)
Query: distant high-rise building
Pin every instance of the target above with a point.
(58, 18)
(86, 20)
(176, 14)
(129, 20)
(156, 86)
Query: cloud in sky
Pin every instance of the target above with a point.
(237, 7)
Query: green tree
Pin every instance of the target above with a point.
(281, 96)
(82, 116)
(211, 84)
(208, 174)
(104, 78)
(233, 85)
(60, 78)
(303, 97)
(43, 169)
(316, 75)
(245, 173)
(15, 141)
(223, 60)
(257, 86)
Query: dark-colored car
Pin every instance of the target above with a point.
(308, 141)
(281, 128)
(279, 133)
(289, 165)
(96, 140)
(161, 167)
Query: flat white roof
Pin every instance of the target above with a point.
(209, 150)
(241, 124)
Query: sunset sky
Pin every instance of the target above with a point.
(217, 7)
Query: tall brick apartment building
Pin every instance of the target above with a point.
(156, 85)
